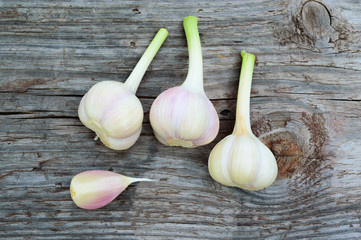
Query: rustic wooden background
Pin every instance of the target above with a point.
(305, 105)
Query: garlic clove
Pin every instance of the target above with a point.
(219, 161)
(123, 117)
(81, 111)
(95, 189)
(241, 159)
(123, 142)
(100, 95)
(267, 173)
(241, 170)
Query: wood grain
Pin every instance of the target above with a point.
(305, 106)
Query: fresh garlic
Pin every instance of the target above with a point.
(183, 115)
(112, 110)
(241, 159)
(96, 188)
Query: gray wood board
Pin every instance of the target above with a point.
(305, 106)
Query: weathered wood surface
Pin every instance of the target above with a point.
(306, 106)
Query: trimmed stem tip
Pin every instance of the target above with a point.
(138, 72)
(243, 125)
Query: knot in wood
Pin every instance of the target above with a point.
(289, 150)
(299, 148)
(316, 19)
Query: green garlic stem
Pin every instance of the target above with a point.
(138, 72)
(194, 79)
(243, 123)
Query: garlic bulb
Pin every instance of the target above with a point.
(111, 108)
(184, 116)
(241, 159)
(96, 188)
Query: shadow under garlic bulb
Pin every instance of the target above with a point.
(183, 115)
(241, 159)
(112, 110)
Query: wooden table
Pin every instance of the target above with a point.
(305, 106)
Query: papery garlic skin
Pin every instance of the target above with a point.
(241, 159)
(184, 116)
(113, 112)
(244, 162)
(95, 189)
(181, 117)
(111, 108)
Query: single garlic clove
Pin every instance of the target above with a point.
(95, 189)
(111, 108)
(113, 112)
(181, 117)
(184, 116)
(241, 159)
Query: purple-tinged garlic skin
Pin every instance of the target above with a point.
(113, 112)
(182, 117)
(97, 188)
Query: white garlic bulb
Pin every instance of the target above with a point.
(111, 108)
(184, 116)
(241, 159)
(113, 112)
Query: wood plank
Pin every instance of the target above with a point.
(305, 105)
